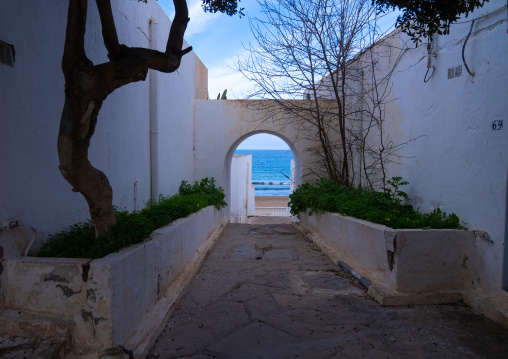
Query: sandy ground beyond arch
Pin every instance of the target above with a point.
(272, 201)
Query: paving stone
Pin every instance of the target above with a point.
(267, 292)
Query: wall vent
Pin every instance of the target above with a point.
(454, 72)
(6, 54)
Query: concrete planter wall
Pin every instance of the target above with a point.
(124, 298)
(405, 266)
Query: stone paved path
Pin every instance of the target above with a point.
(267, 292)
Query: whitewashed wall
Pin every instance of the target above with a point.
(461, 163)
(222, 125)
(458, 162)
(444, 118)
(241, 188)
(31, 101)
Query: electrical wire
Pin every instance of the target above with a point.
(470, 31)
(464, 49)
(432, 74)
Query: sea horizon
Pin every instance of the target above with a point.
(271, 171)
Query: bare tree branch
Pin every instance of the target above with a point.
(74, 48)
(322, 51)
(109, 34)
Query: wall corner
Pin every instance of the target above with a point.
(200, 80)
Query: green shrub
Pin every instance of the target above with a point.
(207, 187)
(79, 241)
(378, 207)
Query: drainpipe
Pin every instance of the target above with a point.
(154, 116)
(359, 131)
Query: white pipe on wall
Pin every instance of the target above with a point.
(359, 131)
(154, 116)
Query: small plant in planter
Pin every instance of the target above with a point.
(79, 240)
(393, 192)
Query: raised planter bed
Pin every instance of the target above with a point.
(403, 266)
(122, 299)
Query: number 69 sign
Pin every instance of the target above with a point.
(497, 125)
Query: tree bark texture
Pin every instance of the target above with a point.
(87, 86)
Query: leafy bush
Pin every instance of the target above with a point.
(79, 241)
(205, 186)
(378, 207)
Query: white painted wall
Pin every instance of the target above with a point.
(222, 125)
(414, 262)
(452, 157)
(461, 164)
(458, 163)
(242, 191)
(31, 101)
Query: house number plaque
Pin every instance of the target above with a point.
(497, 125)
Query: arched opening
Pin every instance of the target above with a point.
(241, 209)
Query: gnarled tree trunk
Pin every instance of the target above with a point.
(87, 86)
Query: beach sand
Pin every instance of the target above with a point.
(272, 201)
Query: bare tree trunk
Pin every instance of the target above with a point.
(87, 86)
(76, 128)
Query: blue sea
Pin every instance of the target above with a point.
(268, 170)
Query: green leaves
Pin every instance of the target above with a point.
(79, 240)
(229, 7)
(224, 95)
(205, 186)
(424, 18)
(384, 207)
(393, 193)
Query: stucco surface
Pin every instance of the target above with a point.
(459, 163)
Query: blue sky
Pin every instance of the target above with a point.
(219, 41)
(263, 141)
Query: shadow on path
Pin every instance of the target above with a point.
(267, 292)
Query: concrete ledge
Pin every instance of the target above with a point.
(404, 266)
(153, 323)
(123, 299)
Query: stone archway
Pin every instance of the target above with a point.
(220, 126)
(297, 175)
